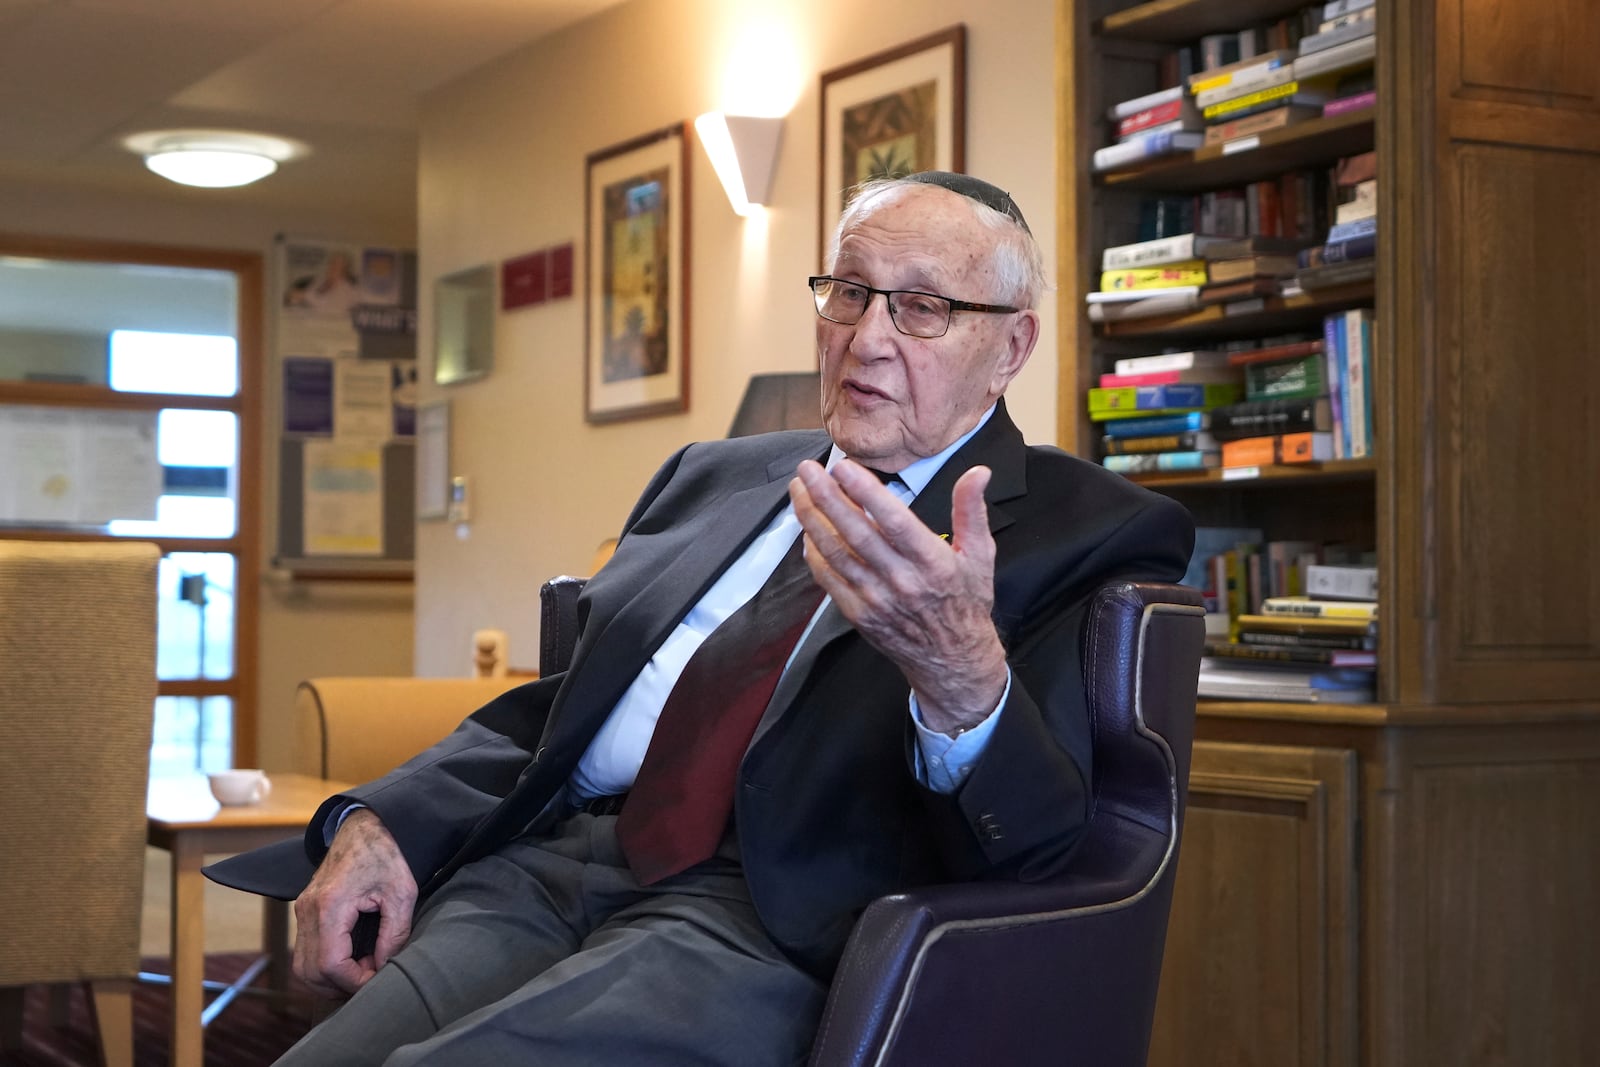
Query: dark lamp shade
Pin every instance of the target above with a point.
(779, 402)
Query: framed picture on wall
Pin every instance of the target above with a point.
(636, 277)
(898, 112)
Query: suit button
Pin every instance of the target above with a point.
(989, 827)
(539, 755)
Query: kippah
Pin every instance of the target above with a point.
(991, 196)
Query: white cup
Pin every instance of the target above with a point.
(240, 786)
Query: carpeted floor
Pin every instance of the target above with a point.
(249, 1033)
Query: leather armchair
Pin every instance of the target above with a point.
(1050, 973)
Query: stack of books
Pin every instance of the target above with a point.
(1347, 253)
(1345, 40)
(1174, 274)
(1286, 416)
(1141, 421)
(1155, 124)
(1348, 341)
(1301, 647)
(1255, 95)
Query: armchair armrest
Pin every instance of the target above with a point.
(357, 729)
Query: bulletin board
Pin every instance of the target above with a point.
(346, 346)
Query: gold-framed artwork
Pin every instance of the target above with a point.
(636, 277)
(897, 112)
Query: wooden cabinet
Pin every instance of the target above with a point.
(1412, 881)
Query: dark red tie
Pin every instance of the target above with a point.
(676, 813)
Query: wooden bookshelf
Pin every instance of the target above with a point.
(1395, 883)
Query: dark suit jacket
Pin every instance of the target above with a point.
(829, 812)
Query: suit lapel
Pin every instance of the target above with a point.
(723, 533)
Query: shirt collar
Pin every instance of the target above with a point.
(920, 473)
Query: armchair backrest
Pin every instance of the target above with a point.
(1021, 974)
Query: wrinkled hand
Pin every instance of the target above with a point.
(923, 602)
(363, 871)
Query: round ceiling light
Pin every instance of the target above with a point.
(212, 159)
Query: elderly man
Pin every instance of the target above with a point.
(656, 857)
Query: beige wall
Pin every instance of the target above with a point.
(326, 628)
(502, 173)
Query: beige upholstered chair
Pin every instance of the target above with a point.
(77, 695)
(356, 729)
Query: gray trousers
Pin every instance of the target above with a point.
(548, 953)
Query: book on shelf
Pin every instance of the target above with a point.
(1332, 657)
(1309, 93)
(1318, 608)
(1242, 289)
(1336, 59)
(1171, 361)
(1127, 108)
(1268, 639)
(1300, 378)
(1265, 78)
(1273, 353)
(1211, 541)
(1330, 275)
(1126, 296)
(1365, 226)
(1354, 102)
(1188, 272)
(1305, 625)
(1190, 246)
(1355, 361)
(1162, 116)
(1188, 441)
(1354, 211)
(1232, 270)
(1149, 425)
(1343, 250)
(1168, 302)
(1261, 122)
(1229, 680)
(1200, 376)
(1334, 8)
(1162, 397)
(1347, 19)
(1141, 462)
(1309, 446)
(1342, 581)
(1146, 146)
(1241, 71)
(1266, 418)
(1326, 39)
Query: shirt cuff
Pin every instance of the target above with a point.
(944, 762)
(330, 825)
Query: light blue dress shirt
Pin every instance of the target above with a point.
(612, 760)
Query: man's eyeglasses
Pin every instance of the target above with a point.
(913, 313)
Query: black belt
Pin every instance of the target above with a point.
(611, 805)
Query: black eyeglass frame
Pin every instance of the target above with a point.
(888, 294)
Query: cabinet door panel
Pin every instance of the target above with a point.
(1259, 966)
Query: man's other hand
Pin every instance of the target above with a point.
(363, 872)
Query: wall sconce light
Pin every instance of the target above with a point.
(744, 153)
(212, 159)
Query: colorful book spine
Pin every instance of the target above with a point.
(1151, 117)
(1353, 102)
(1126, 108)
(1158, 397)
(1159, 252)
(1265, 418)
(1271, 95)
(1330, 355)
(1340, 386)
(1340, 232)
(1301, 377)
(1189, 272)
(1320, 609)
(1362, 246)
(1332, 657)
(1146, 146)
(1160, 461)
(1169, 361)
(1149, 425)
(1188, 441)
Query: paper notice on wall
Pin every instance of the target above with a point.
(362, 408)
(78, 467)
(342, 507)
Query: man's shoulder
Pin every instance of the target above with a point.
(759, 449)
